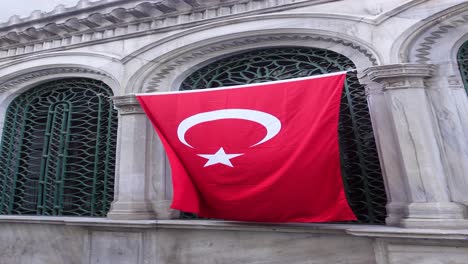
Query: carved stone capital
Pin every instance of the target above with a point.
(373, 89)
(401, 76)
(454, 82)
(127, 105)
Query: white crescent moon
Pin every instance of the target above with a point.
(270, 122)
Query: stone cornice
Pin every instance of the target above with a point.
(124, 100)
(378, 73)
(127, 104)
(401, 76)
(91, 21)
(84, 9)
(40, 73)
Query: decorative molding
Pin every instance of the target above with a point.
(112, 10)
(130, 110)
(379, 19)
(373, 89)
(11, 83)
(377, 73)
(124, 100)
(106, 20)
(436, 30)
(169, 66)
(401, 76)
(454, 82)
(127, 105)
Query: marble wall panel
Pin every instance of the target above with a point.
(32, 243)
(108, 247)
(222, 246)
(427, 254)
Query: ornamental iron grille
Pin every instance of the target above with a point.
(463, 63)
(360, 163)
(58, 150)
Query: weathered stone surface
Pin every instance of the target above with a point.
(31, 243)
(40, 240)
(419, 115)
(425, 179)
(115, 247)
(132, 197)
(210, 247)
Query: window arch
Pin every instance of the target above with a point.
(462, 57)
(360, 164)
(58, 150)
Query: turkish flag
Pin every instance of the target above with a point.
(265, 152)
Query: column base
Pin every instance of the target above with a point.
(435, 215)
(436, 210)
(434, 223)
(164, 211)
(131, 211)
(395, 212)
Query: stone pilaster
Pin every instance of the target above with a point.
(451, 109)
(390, 160)
(131, 199)
(422, 173)
(161, 183)
(460, 100)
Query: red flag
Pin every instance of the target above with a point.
(264, 152)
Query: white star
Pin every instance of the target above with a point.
(219, 157)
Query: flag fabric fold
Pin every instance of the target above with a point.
(265, 152)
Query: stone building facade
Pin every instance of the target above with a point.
(84, 183)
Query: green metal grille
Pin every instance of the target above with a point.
(463, 63)
(360, 164)
(58, 150)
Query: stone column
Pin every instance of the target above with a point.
(161, 183)
(131, 199)
(460, 99)
(390, 161)
(451, 108)
(412, 122)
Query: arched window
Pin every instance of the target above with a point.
(360, 163)
(58, 150)
(463, 63)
